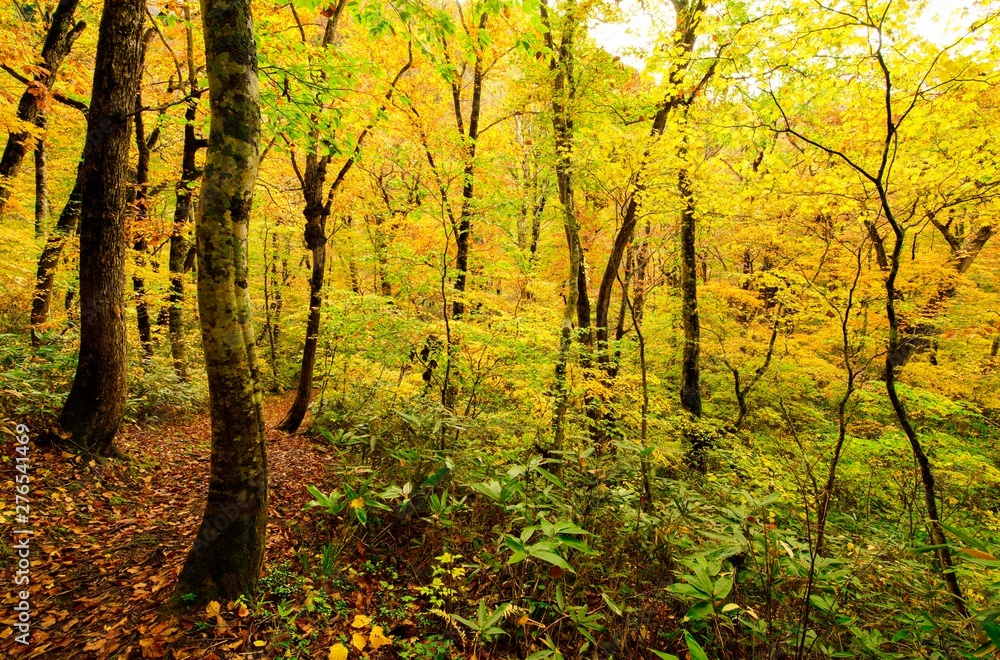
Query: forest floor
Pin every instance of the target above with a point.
(111, 536)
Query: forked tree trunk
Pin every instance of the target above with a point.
(58, 41)
(227, 555)
(96, 403)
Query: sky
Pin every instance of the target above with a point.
(644, 19)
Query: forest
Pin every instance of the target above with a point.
(536, 329)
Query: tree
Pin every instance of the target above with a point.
(180, 248)
(58, 41)
(95, 405)
(228, 552)
(896, 105)
(316, 211)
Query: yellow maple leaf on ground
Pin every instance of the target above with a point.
(378, 638)
(213, 608)
(360, 621)
(359, 641)
(338, 652)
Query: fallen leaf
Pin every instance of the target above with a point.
(378, 638)
(359, 641)
(338, 652)
(213, 608)
(360, 621)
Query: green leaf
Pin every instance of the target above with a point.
(694, 648)
(552, 558)
(611, 604)
(664, 656)
(551, 477)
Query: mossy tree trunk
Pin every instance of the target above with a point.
(227, 555)
(96, 403)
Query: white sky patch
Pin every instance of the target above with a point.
(633, 38)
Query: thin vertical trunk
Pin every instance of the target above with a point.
(179, 248)
(41, 183)
(464, 232)
(563, 93)
(141, 213)
(297, 412)
(228, 553)
(49, 259)
(934, 528)
(691, 360)
(58, 41)
(96, 402)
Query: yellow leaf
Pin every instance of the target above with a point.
(359, 641)
(259, 643)
(378, 638)
(338, 652)
(213, 608)
(358, 503)
(360, 621)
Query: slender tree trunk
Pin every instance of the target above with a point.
(179, 247)
(303, 394)
(463, 235)
(41, 183)
(49, 259)
(563, 93)
(691, 360)
(58, 41)
(141, 214)
(96, 403)
(935, 531)
(228, 553)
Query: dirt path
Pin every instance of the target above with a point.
(110, 539)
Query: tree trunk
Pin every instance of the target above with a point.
(96, 402)
(141, 214)
(463, 234)
(934, 529)
(179, 248)
(691, 361)
(49, 259)
(41, 183)
(58, 41)
(228, 553)
(317, 244)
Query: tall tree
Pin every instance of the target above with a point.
(316, 211)
(96, 403)
(228, 552)
(179, 263)
(58, 41)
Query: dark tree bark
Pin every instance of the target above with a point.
(179, 264)
(58, 41)
(464, 229)
(140, 244)
(96, 402)
(49, 259)
(691, 360)
(41, 183)
(227, 555)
